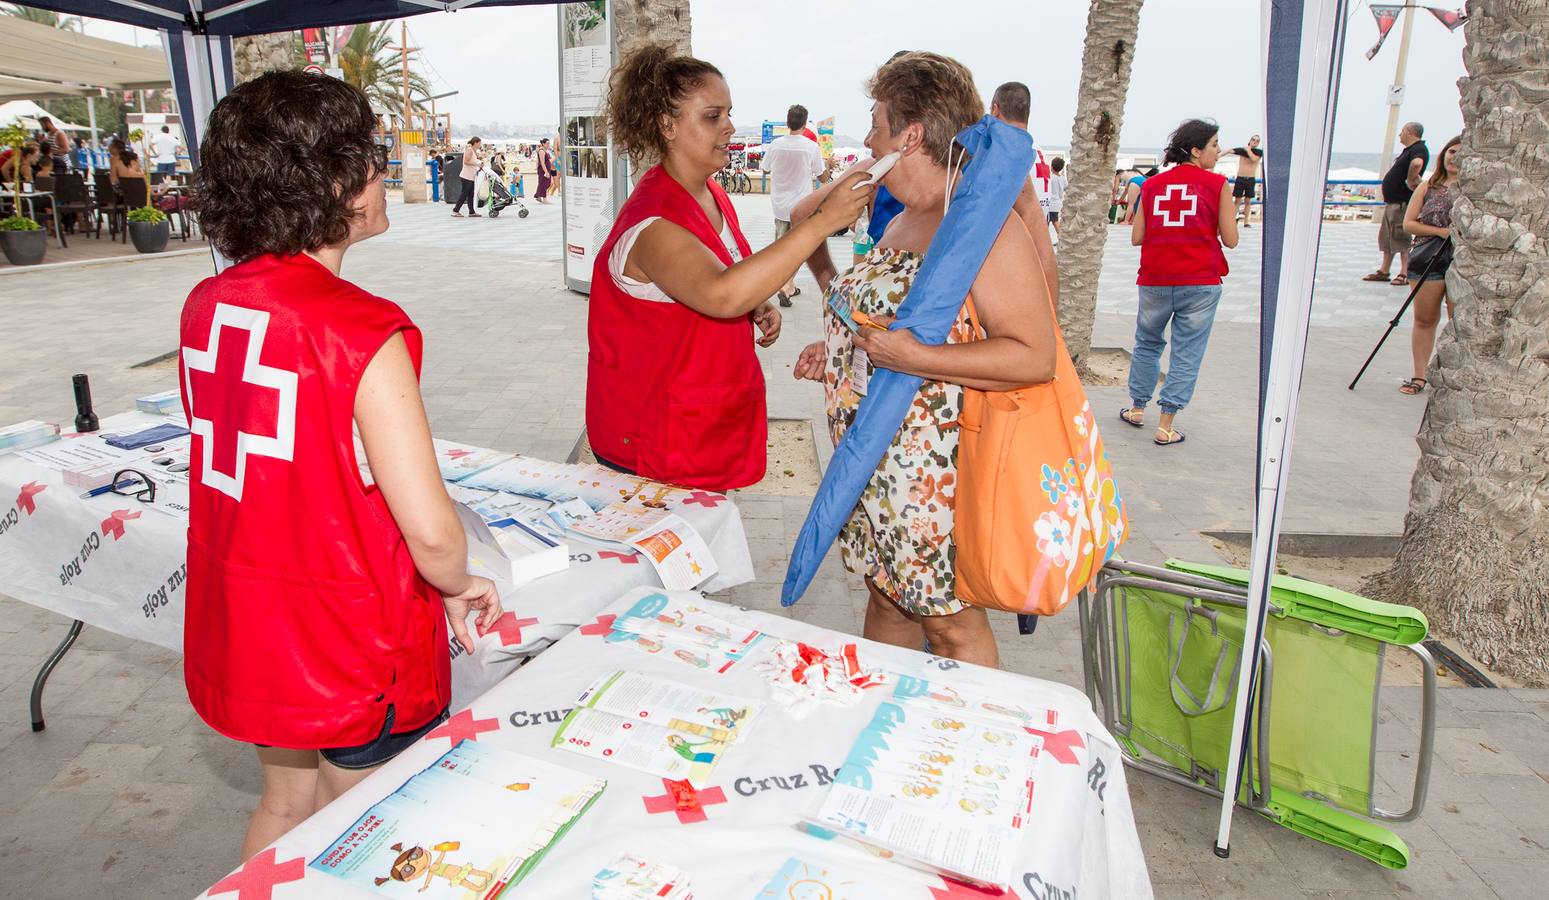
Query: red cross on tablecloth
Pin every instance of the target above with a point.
(1175, 204)
(24, 501)
(683, 799)
(602, 625)
(627, 559)
(708, 501)
(257, 878)
(509, 627)
(957, 890)
(114, 524)
(1062, 745)
(464, 725)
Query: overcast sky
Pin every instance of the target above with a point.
(819, 53)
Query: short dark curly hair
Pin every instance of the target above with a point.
(283, 159)
(646, 85)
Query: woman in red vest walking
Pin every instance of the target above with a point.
(674, 390)
(318, 604)
(1183, 219)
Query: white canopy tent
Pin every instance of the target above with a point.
(28, 113)
(67, 58)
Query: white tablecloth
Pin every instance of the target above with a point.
(118, 564)
(1080, 840)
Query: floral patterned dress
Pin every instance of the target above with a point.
(900, 534)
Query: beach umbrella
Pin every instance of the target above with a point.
(1303, 42)
(1001, 155)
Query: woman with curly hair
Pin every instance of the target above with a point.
(317, 604)
(674, 390)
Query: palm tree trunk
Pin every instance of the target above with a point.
(255, 54)
(1111, 27)
(1475, 551)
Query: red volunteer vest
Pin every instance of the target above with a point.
(1181, 245)
(672, 394)
(306, 616)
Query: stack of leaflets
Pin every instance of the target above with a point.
(631, 878)
(166, 403)
(941, 779)
(654, 725)
(509, 536)
(473, 824)
(671, 625)
(670, 544)
(595, 486)
(27, 434)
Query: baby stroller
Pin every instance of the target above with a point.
(500, 196)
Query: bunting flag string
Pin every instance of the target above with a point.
(1387, 15)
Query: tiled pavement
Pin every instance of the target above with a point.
(128, 790)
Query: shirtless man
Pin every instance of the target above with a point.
(1244, 188)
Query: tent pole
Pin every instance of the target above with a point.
(91, 116)
(1303, 56)
(1398, 82)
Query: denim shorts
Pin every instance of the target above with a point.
(383, 747)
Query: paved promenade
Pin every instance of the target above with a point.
(128, 788)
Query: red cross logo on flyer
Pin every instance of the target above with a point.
(114, 524)
(256, 879)
(683, 799)
(463, 726)
(1062, 745)
(24, 501)
(708, 501)
(1175, 204)
(601, 625)
(509, 627)
(237, 405)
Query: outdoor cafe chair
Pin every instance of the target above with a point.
(134, 194)
(70, 198)
(108, 202)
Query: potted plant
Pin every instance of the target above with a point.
(148, 226)
(22, 240)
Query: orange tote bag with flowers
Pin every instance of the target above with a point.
(1037, 512)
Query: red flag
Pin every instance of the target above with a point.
(1453, 18)
(1386, 17)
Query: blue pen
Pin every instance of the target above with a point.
(99, 491)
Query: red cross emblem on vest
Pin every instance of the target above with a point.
(238, 406)
(1175, 204)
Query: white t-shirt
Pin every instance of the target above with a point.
(165, 147)
(647, 290)
(1057, 183)
(792, 161)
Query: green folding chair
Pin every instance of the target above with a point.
(1161, 650)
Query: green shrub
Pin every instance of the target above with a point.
(148, 214)
(18, 223)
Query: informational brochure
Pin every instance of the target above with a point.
(643, 746)
(943, 789)
(631, 878)
(76, 451)
(24, 435)
(672, 546)
(670, 625)
(459, 461)
(802, 879)
(681, 707)
(469, 826)
(557, 482)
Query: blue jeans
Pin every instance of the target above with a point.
(1192, 310)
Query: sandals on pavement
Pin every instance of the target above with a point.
(1173, 436)
(785, 300)
(1375, 276)
(1412, 386)
(1137, 422)
(1399, 280)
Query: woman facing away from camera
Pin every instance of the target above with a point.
(674, 390)
(318, 604)
(1182, 219)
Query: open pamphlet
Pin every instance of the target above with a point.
(671, 625)
(939, 781)
(469, 826)
(670, 544)
(558, 482)
(459, 461)
(654, 725)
